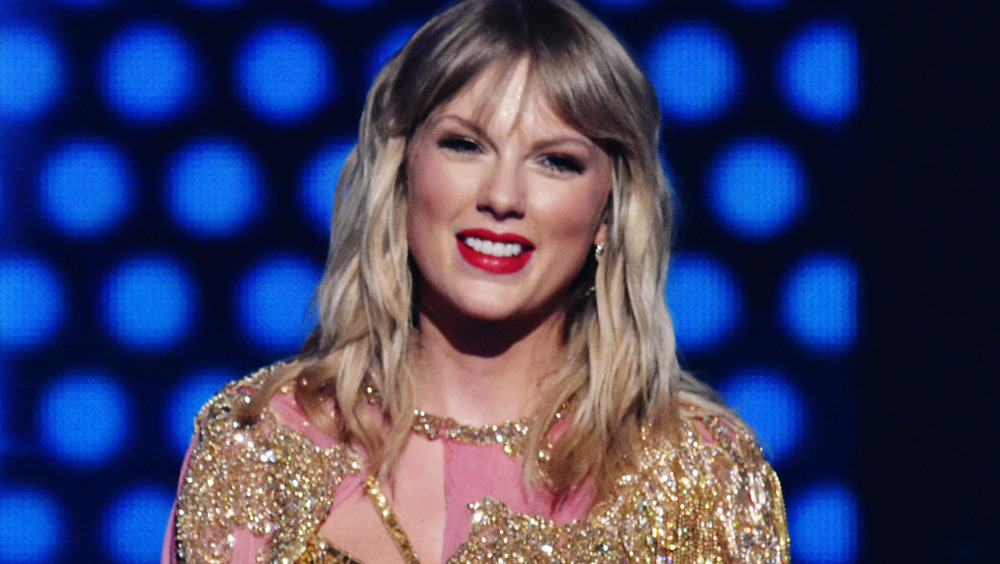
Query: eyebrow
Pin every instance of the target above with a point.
(467, 123)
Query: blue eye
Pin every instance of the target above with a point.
(563, 163)
(459, 144)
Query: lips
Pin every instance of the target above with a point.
(496, 253)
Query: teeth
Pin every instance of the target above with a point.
(494, 249)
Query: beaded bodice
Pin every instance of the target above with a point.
(689, 500)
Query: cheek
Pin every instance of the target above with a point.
(579, 215)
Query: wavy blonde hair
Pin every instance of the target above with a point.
(621, 372)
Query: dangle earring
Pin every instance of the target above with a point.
(598, 251)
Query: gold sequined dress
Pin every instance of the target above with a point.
(259, 493)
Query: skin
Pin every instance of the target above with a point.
(487, 339)
(520, 170)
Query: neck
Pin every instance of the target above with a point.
(482, 373)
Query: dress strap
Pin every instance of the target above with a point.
(390, 520)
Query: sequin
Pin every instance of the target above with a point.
(689, 500)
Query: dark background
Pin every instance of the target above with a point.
(928, 233)
(906, 187)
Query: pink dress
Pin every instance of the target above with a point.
(472, 472)
(259, 493)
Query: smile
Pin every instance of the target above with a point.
(497, 249)
(496, 253)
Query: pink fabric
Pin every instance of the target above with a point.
(474, 472)
(471, 474)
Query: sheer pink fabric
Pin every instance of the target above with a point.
(471, 473)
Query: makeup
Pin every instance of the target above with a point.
(497, 253)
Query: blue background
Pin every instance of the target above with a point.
(166, 180)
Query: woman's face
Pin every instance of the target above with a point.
(505, 203)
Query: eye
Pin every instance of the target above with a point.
(459, 144)
(563, 163)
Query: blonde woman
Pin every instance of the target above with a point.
(494, 376)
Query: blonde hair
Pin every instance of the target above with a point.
(621, 372)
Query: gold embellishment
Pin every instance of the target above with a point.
(510, 434)
(689, 500)
(266, 478)
(390, 520)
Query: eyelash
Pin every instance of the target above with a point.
(563, 163)
(558, 163)
(459, 144)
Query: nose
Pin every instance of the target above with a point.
(502, 193)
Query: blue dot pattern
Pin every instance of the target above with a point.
(166, 190)
(32, 301)
(150, 73)
(772, 404)
(819, 73)
(756, 188)
(823, 520)
(85, 418)
(269, 291)
(704, 301)
(819, 303)
(285, 73)
(133, 523)
(31, 72)
(32, 525)
(86, 188)
(696, 71)
(148, 303)
(213, 188)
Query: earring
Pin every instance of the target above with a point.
(598, 250)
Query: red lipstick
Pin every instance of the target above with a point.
(490, 263)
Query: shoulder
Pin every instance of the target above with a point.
(265, 476)
(227, 403)
(706, 488)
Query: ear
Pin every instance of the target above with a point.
(601, 237)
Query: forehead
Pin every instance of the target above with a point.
(506, 96)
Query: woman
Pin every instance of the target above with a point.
(494, 373)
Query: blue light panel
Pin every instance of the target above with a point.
(31, 72)
(134, 524)
(215, 3)
(285, 73)
(149, 73)
(84, 418)
(696, 71)
(819, 73)
(4, 410)
(819, 302)
(704, 299)
(32, 301)
(756, 188)
(149, 303)
(274, 297)
(622, 3)
(319, 182)
(85, 188)
(388, 46)
(85, 3)
(823, 525)
(4, 205)
(213, 188)
(32, 528)
(350, 4)
(185, 401)
(773, 406)
(758, 4)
